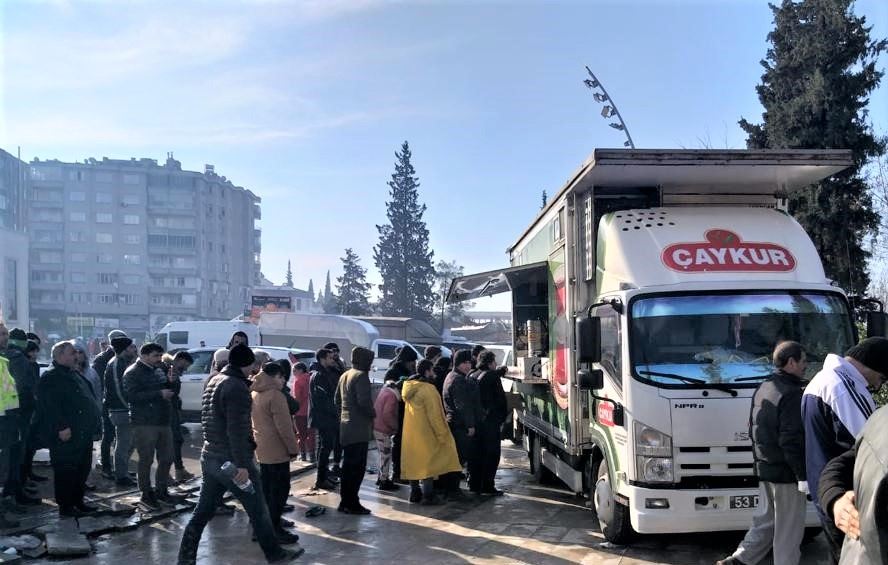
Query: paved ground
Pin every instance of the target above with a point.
(531, 524)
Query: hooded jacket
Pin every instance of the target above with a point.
(301, 384)
(226, 417)
(115, 397)
(775, 426)
(428, 449)
(354, 400)
(272, 426)
(386, 408)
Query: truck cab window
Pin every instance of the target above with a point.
(611, 343)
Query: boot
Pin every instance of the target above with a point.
(182, 475)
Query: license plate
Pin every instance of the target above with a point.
(746, 501)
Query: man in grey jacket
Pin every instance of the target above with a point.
(356, 414)
(775, 426)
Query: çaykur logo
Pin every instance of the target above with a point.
(723, 250)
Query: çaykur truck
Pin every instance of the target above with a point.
(647, 297)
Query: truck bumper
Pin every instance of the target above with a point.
(686, 514)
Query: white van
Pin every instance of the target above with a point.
(216, 333)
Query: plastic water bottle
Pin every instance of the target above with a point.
(229, 470)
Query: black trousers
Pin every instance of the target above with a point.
(108, 436)
(70, 466)
(337, 449)
(178, 439)
(276, 488)
(326, 441)
(396, 444)
(354, 465)
(485, 460)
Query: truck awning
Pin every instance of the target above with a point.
(469, 287)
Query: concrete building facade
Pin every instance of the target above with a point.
(14, 309)
(132, 244)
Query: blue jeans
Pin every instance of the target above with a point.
(214, 486)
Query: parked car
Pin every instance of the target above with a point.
(194, 378)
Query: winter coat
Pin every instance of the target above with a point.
(142, 385)
(293, 405)
(322, 414)
(272, 426)
(427, 447)
(355, 404)
(871, 494)
(95, 384)
(462, 403)
(226, 417)
(492, 397)
(386, 408)
(776, 429)
(25, 384)
(9, 399)
(301, 385)
(115, 397)
(397, 372)
(100, 363)
(65, 403)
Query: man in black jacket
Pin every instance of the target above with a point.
(493, 411)
(462, 411)
(322, 414)
(778, 443)
(100, 364)
(228, 437)
(70, 418)
(116, 406)
(149, 392)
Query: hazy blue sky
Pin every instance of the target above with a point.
(306, 103)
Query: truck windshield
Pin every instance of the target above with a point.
(728, 338)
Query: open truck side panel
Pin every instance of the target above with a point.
(691, 271)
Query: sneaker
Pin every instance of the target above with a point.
(286, 538)
(360, 510)
(289, 507)
(493, 492)
(336, 471)
(167, 498)
(149, 501)
(225, 510)
(387, 486)
(87, 508)
(415, 495)
(325, 485)
(125, 482)
(287, 523)
(288, 555)
(183, 475)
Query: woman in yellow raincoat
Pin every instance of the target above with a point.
(428, 449)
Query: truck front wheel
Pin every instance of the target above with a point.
(613, 517)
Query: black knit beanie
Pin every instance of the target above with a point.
(872, 352)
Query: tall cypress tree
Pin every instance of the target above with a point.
(352, 288)
(289, 281)
(819, 72)
(329, 301)
(402, 254)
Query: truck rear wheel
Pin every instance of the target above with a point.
(613, 517)
(540, 473)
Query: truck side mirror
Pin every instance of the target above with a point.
(590, 380)
(588, 339)
(876, 324)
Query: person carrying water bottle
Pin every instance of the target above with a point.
(227, 431)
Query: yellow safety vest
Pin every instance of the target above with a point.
(9, 399)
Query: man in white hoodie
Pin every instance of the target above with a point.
(835, 406)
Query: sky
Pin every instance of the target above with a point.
(305, 103)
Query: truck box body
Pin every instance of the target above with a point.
(693, 273)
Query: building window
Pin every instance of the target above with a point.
(107, 278)
(131, 199)
(104, 177)
(47, 236)
(131, 279)
(77, 216)
(77, 236)
(10, 288)
(102, 237)
(129, 299)
(104, 218)
(77, 277)
(46, 276)
(80, 297)
(130, 179)
(106, 299)
(131, 219)
(77, 196)
(103, 197)
(130, 259)
(132, 238)
(104, 258)
(49, 257)
(48, 215)
(78, 257)
(41, 194)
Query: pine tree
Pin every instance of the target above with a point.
(311, 288)
(819, 72)
(329, 300)
(402, 254)
(289, 281)
(352, 288)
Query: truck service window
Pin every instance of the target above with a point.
(728, 338)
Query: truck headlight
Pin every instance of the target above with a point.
(651, 442)
(655, 469)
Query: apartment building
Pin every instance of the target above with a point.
(132, 244)
(13, 244)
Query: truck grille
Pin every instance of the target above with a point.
(714, 461)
